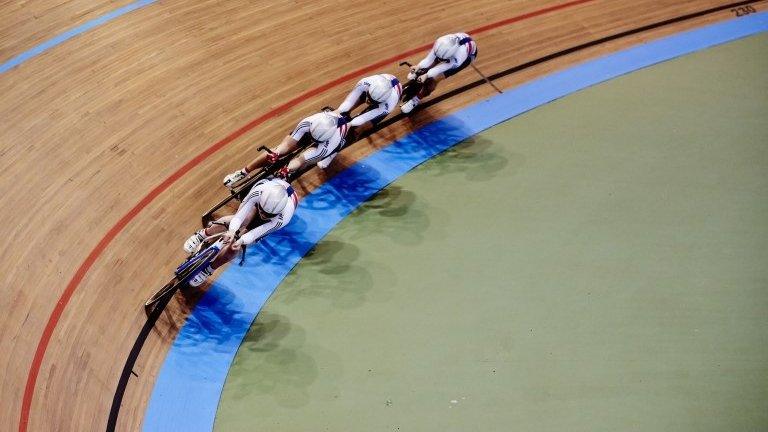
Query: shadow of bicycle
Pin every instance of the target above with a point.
(281, 367)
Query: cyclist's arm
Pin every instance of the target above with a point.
(300, 129)
(352, 97)
(427, 61)
(246, 208)
(273, 225)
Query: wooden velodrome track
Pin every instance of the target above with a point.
(94, 129)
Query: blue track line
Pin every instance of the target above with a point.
(189, 384)
(69, 34)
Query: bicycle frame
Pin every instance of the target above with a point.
(203, 252)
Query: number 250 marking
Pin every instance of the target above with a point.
(744, 10)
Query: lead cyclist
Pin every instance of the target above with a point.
(268, 207)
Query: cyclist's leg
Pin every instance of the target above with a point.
(312, 155)
(220, 225)
(287, 145)
(296, 163)
(429, 86)
(451, 72)
(359, 102)
(225, 256)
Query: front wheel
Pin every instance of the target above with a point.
(166, 291)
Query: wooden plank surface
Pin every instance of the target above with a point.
(25, 24)
(90, 127)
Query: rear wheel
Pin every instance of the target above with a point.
(410, 89)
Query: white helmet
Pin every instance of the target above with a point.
(379, 88)
(322, 126)
(446, 46)
(273, 199)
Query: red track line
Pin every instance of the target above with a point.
(58, 310)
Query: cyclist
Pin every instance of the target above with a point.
(327, 131)
(380, 92)
(450, 54)
(268, 207)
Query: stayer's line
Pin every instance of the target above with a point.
(69, 34)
